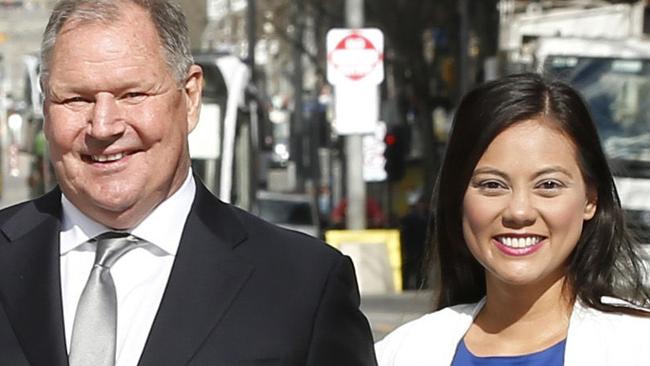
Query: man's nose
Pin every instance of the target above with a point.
(106, 120)
(520, 211)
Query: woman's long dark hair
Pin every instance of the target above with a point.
(604, 262)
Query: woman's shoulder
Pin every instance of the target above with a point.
(607, 338)
(627, 326)
(442, 329)
(628, 314)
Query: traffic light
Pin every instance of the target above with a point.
(396, 141)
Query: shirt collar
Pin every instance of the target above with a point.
(163, 227)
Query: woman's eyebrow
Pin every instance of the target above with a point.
(554, 169)
(546, 170)
(489, 170)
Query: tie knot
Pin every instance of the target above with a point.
(112, 245)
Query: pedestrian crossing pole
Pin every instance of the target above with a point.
(356, 187)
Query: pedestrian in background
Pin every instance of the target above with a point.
(535, 264)
(131, 260)
(413, 232)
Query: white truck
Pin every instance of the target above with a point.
(603, 50)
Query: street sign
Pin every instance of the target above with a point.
(356, 109)
(355, 66)
(373, 155)
(355, 56)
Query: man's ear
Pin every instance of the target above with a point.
(193, 87)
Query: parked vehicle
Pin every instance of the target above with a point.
(603, 50)
(295, 211)
(222, 145)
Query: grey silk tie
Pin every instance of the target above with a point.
(95, 323)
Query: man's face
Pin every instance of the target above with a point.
(116, 119)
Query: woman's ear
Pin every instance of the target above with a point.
(591, 204)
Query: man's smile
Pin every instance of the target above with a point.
(107, 158)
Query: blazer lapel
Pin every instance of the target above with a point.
(30, 280)
(205, 279)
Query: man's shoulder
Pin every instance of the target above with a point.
(268, 236)
(10, 211)
(24, 216)
(20, 211)
(283, 255)
(260, 243)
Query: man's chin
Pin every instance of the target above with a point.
(120, 214)
(118, 220)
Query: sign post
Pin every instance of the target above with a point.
(355, 68)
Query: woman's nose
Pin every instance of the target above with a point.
(520, 210)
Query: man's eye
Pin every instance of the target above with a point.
(76, 101)
(134, 97)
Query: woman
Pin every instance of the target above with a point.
(535, 265)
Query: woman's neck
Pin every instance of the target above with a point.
(508, 304)
(521, 319)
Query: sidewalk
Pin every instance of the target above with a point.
(387, 312)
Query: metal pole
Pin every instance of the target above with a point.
(464, 45)
(298, 130)
(356, 187)
(252, 22)
(252, 103)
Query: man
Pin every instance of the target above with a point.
(201, 283)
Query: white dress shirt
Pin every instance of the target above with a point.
(140, 276)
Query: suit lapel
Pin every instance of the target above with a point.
(30, 280)
(205, 279)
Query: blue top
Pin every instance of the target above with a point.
(552, 356)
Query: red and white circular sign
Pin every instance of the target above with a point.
(355, 55)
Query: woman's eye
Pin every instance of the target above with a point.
(550, 188)
(550, 184)
(490, 187)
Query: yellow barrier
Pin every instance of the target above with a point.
(388, 239)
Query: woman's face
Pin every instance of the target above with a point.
(525, 205)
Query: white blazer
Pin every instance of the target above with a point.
(595, 338)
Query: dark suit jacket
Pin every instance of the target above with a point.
(241, 292)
